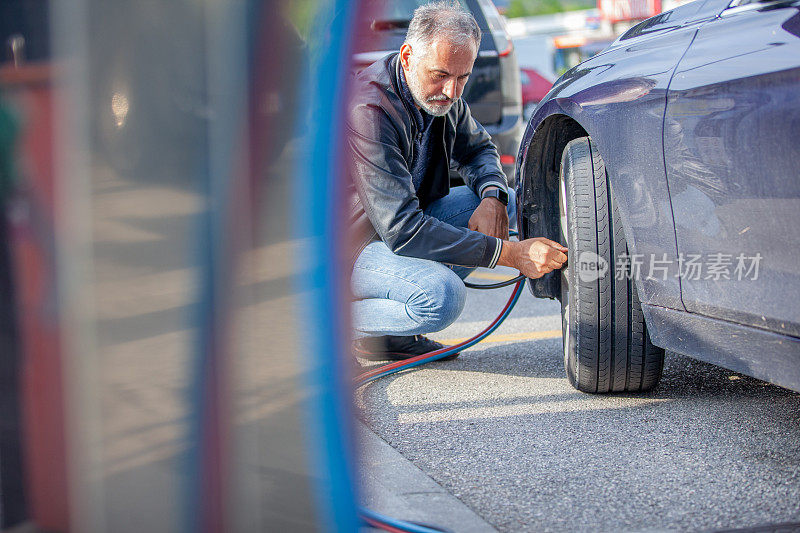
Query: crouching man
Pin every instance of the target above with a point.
(407, 127)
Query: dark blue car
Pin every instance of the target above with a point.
(670, 165)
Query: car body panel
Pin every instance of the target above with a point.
(748, 350)
(697, 89)
(734, 179)
(623, 90)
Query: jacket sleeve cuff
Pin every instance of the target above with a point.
(491, 181)
(493, 248)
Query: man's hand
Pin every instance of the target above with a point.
(490, 218)
(533, 257)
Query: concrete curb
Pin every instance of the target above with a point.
(392, 485)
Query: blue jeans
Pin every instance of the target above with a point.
(396, 295)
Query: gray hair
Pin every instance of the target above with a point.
(441, 19)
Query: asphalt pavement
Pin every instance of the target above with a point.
(501, 431)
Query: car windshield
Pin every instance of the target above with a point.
(393, 14)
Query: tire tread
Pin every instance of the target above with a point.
(612, 348)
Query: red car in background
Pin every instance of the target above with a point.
(534, 88)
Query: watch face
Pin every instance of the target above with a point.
(497, 193)
(502, 196)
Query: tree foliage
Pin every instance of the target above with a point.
(529, 8)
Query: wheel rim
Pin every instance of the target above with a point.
(562, 209)
(564, 223)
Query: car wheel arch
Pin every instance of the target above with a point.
(538, 187)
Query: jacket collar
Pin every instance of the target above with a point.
(403, 92)
(408, 98)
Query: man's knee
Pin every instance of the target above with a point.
(440, 300)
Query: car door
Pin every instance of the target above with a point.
(732, 157)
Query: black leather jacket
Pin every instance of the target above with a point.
(384, 204)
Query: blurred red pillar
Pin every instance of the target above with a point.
(30, 90)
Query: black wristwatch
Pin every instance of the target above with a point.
(498, 193)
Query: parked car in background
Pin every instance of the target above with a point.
(534, 89)
(569, 50)
(668, 164)
(493, 90)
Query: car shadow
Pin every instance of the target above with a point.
(523, 375)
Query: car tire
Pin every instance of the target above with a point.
(606, 344)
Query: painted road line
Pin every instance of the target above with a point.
(492, 276)
(526, 336)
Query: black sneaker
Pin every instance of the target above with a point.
(396, 348)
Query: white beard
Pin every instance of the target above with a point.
(416, 92)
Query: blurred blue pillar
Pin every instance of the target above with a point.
(319, 201)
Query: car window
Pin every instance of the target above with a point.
(395, 9)
(383, 24)
(650, 25)
(756, 6)
(764, 3)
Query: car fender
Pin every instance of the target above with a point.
(618, 98)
